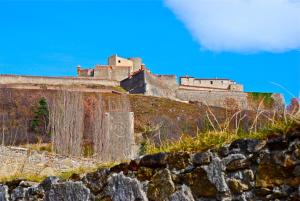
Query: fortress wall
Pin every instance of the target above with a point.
(120, 73)
(15, 79)
(214, 98)
(160, 86)
(135, 84)
(102, 73)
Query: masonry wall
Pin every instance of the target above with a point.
(135, 84)
(214, 98)
(210, 84)
(160, 85)
(15, 79)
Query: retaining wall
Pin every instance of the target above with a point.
(16, 79)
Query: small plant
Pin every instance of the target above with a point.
(41, 118)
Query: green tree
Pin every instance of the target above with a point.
(40, 122)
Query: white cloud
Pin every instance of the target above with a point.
(241, 25)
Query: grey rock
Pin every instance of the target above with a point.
(68, 191)
(216, 175)
(202, 158)
(120, 188)
(48, 182)
(4, 193)
(247, 146)
(183, 194)
(161, 186)
(232, 157)
(96, 181)
(18, 194)
(35, 193)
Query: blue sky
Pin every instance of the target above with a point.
(53, 37)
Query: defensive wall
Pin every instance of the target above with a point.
(214, 98)
(67, 81)
(150, 84)
(210, 84)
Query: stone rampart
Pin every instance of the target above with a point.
(67, 81)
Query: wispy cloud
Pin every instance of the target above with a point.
(241, 25)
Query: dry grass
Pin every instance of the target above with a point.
(220, 134)
(64, 175)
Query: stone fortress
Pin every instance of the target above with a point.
(119, 69)
(133, 76)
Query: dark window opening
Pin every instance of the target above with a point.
(211, 82)
(119, 61)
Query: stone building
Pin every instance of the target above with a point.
(117, 69)
(209, 84)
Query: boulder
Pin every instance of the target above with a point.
(96, 181)
(199, 183)
(4, 196)
(68, 191)
(182, 194)
(121, 188)
(178, 161)
(237, 186)
(247, 146)
(216, 175)
(158, 160)
(202, 158)
(161, 186)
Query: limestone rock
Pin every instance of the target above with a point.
(48, 182)
(238, 165)
(178, 161)
(120, 188)
(199, 183)
(269, 175)
(35, 193)
(161, 186)
(216, 175)
(202, 158)
(144, 173)
(236, 186)
(158, 160)
(4, 196)
(96, 181)
(18, 194)
(67, 191)
(183, 194)
(247, 146)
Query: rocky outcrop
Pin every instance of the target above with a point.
(243, 170)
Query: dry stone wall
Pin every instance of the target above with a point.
(244, 170)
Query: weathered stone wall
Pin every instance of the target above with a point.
(135, 84)
(210, 84)
(213, 98)
(160, 85)
(244, 170)
(15, 79)
(151, 85)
